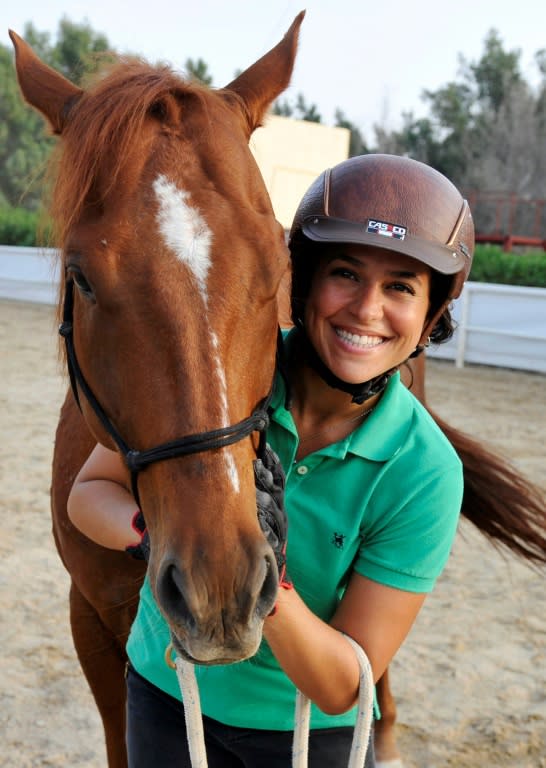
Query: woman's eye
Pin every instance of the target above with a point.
(403, 288)
(344, 272)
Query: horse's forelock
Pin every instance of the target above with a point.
(102, 133)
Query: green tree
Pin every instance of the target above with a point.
(357, 145)
(283, 108)
(24, 144)
(307, 111)
(301, 110)
(485, 130)
(495, 73)
(198, 69)
(24, 147)
(78, 50)
(540, 59)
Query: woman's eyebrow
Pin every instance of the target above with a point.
(356, 262)
(407, 273)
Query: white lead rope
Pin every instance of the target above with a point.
(300, 748)
(192, 712)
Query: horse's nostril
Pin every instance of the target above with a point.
(170, 590)
(268, 592)
(251, 599)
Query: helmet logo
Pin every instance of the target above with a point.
(387, 230)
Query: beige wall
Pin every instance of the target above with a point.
(291, 154)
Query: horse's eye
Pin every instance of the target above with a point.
(81, 283)
(158, 110)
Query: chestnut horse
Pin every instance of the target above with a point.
(172, 264)
(172, 259)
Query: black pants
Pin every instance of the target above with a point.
(156, 737)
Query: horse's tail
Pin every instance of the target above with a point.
(506, 507)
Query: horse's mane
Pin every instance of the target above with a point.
(102, 131)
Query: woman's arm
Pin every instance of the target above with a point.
(100, 504)
(318, 659)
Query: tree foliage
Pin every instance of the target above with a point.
(197, 69)
(486, 130)
(300, 110)
(357, 145)
(495, 74)
(24, 145)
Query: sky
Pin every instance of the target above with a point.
(371, 60)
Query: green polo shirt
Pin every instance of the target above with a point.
(384, 501)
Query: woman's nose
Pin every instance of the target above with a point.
(368, 303)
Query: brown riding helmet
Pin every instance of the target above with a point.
(393, 203)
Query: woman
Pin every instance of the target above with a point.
(380, 245)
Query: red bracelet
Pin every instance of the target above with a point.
(138, 524)
(282, 585)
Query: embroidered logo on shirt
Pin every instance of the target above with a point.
(338, 540)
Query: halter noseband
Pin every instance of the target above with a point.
(136, 460)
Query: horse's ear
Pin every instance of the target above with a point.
(259, 85)
(43, 88)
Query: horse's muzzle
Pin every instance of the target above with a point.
(208, 630)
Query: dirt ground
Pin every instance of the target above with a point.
(470, 681)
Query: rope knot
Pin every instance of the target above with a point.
(65, 329)
(133, 460)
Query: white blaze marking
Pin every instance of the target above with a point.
(186, 233)
(184, 230)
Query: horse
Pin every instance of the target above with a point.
(173, 284)
(171, 262)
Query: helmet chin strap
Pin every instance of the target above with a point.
(360, 392)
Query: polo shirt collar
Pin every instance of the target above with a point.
(386, 429)
(381, 435)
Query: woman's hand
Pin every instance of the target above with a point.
(316, 656)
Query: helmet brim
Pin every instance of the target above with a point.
(327, 229)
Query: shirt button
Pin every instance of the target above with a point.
(302, 469)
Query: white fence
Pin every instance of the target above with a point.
(29, 274)
(500, 325)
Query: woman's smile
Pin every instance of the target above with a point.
(360, 341)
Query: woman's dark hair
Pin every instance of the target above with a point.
(440, 286)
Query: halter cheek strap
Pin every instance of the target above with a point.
(136, 460)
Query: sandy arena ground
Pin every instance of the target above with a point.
(470, 681)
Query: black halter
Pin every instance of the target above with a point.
(136, 460)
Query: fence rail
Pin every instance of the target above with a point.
(503, 325)
(29, 274)
(508, 219)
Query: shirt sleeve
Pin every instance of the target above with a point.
(411, 521)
